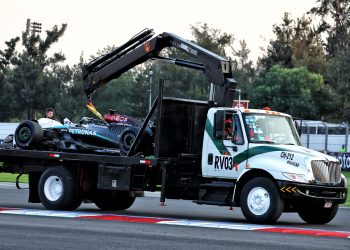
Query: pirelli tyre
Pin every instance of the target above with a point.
(114, 200)
(127, 138)
(260, 201)
(317, 214)
(57, 189)
(28, 135)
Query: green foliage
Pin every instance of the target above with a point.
(5, 61)
(128, 95)
(339, 77)
(243, 70)
(212, 39)
(347, 175)
(188, 83)
(335, 22)
(335, 26)
(294, 91)
(296, 44)
(32, 81)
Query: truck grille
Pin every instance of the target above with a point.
(326, 172)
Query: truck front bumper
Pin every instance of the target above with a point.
(311, 193)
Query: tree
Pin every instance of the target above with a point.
(307, 47)
(128, 95)
(5, 61)
(294, 91)
(335, 22)
(69, 99)
(243, 70)
(297, 44)
(280, 50)
(31, 88)
(212, 39)
(339, 74)
(189, 83)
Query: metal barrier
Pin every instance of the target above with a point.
(325, 137)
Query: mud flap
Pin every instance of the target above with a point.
(33, 187)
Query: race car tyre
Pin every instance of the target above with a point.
(260, 201)
(127, 138)
(317, 214)
(28, 134)
(114, 200)
(57, 189)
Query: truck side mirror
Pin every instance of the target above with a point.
(298, 122)
(219, 124)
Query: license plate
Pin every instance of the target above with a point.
(328, 204)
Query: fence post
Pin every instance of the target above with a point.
(346, 136)
(307, 135)
(326, 137)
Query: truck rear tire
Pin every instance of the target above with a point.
(28, 134)
(260, 201)
(317, 214)
(114, 200)
(57, 189)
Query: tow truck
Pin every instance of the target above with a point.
(204, 151)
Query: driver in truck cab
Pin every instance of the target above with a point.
(238, 136)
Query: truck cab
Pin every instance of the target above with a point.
(260, 151)
(233, 136)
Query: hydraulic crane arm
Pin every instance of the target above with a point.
(144, 46)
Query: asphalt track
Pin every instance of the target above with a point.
(187, 225)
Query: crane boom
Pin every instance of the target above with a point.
(145, 46)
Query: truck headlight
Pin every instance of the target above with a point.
(296, 177)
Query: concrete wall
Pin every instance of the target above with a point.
(6, 129)
(318, 142)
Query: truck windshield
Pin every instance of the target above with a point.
(270, 129)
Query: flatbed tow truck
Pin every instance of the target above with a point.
(204, 151)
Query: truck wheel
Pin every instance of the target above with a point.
(317, 214)
(260, 201)
(28, 134)
(127, 138)
(57, 189)
(114, 200)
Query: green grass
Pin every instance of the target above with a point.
(347, 175)
(6, 177)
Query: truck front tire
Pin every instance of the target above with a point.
(114, 200)
(317, 214)
(260, 201)
(57, 189)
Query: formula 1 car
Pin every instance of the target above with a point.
(114, 134)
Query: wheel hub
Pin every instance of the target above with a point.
(258, 201)
(53, 188)
(24, 134)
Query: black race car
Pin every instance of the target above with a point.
(113, 135)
